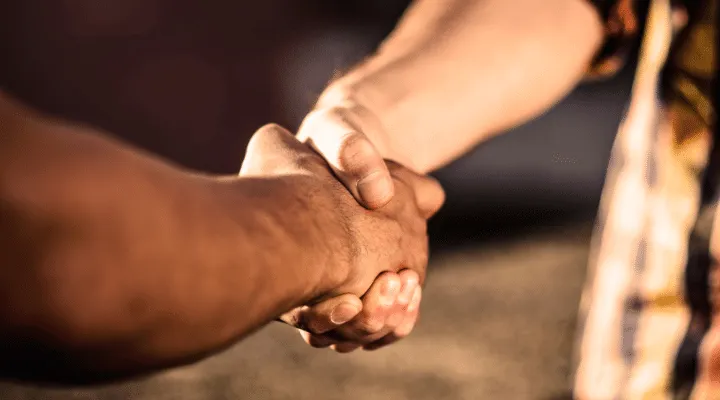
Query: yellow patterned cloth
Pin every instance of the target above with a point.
(650, 312)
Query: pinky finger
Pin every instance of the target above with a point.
(404, 329)
(345, 347)
(317, 341)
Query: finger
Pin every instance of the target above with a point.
(323, 341)
(345, 347)
(398, 334)
(331, 313)
(294, 317)
(317, 341)
(397, 314)
(354, 159)
(429, 195)
(405, 328)
(409, 280)
(378, 303)
(326, 315)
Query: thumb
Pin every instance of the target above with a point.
(352, 157)
(326, 315)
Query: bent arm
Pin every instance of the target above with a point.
(455, 72)
(114, 263)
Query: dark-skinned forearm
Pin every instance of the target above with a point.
(114, 263)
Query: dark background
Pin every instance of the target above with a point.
(192, 80)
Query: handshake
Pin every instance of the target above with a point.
(371, 287)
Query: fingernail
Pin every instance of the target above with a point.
(415, 302)
(389, 292)
(376, 188)
(343, 313)
(407, 292)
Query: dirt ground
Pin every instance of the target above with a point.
(497, 323)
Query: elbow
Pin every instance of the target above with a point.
(40, 289)
(42, 299)
(35, 339)
(30, 272)
(47, 334)
(32, 312)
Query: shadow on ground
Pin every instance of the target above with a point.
(497, 323)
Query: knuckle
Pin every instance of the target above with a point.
(265, 133)
(271, 128)
(269, 131)
(254, 142)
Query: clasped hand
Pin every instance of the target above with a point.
(371, 290)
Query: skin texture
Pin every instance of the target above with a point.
(115, 263)
(451, 75)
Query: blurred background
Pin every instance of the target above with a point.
(192, 80)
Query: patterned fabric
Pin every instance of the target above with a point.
(649, 325)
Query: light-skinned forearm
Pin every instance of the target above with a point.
(453, 73)
(113, 262)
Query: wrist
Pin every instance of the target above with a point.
(304, 225)
(331, 234)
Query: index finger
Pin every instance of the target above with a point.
(429, 195)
